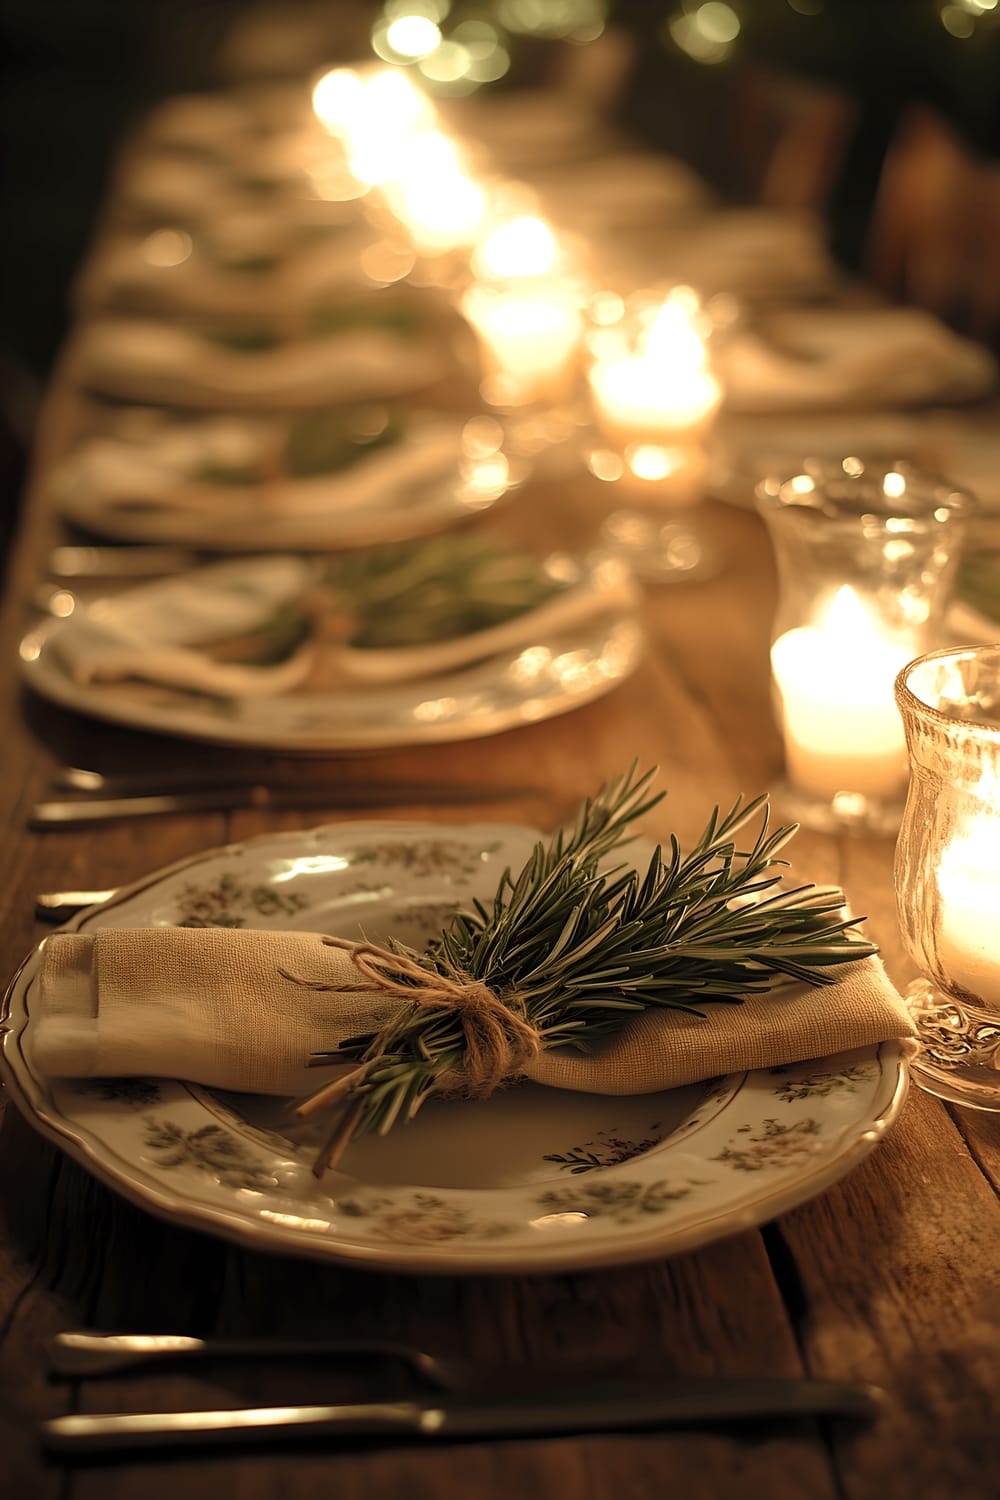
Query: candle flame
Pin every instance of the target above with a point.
(672, 341)
(524, 246)
(431, 194)
(372, 112)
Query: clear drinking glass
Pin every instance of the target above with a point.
(948, 869)
(866, 556)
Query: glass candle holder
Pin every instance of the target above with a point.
(529, 338)
(866, 558)
(947, 869)
(653, 400)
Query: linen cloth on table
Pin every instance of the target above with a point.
(214, 1006)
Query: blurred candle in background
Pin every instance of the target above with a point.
(432, 195)
(527, 313)
(371, 111)
(654, 399)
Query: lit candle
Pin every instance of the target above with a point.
(661, 390)
(842, 730)
(371, 112)
(968, 947)
(432, 197)
(655, 402)
(528, 318)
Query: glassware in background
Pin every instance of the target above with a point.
(524, 300)
(653, 400)
(866, 557)
(947, 869)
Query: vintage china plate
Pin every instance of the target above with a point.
(533, 1179)
(565, 666)
(166, 364)
(139, 482)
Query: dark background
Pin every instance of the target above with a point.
(77, 73)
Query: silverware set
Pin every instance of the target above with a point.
(99, 799)
(468, 1398)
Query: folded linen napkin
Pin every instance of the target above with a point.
(216, 1006)
(159, 474)
(214, 282)
(151, 632)
(816, 358)
(750, 253)
(620, 190)
(159, 363)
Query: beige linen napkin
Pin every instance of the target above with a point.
(810, 359)
(166, 364)
(150, 633)
(160, 474)
(212, 282)
(213, 1006)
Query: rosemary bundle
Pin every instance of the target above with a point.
(571, 947)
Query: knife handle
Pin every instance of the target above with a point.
(125, 1431)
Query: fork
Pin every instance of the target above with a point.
(80, 1353)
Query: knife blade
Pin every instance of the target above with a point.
(79, 813)
(195, 778)
(621, 1406)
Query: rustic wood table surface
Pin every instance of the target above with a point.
(888, 1276)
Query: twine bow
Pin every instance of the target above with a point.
(498, 1037)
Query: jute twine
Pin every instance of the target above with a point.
(498, 1037)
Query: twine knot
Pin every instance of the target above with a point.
(498, 1037)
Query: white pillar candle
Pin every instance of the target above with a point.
(842, 730)
(968, 945)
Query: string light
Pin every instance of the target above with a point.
(458, 57)
(706, 32)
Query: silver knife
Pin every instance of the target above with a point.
(77, 814)
(199, 778)
(602, 1408)
(56, 906)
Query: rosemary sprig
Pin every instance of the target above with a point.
(577, 946)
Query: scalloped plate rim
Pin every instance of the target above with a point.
(612, 1249)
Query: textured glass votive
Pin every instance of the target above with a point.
(866, 557)
(653, 400)
(948, 869)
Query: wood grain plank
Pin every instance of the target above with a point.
(900, 1270)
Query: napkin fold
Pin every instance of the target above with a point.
(754, 254)
(812, 359)
(112, 472)
(215, 1006)
(151, 633)
(168, 365)
(214, 281)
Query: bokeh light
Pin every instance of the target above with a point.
(706, 32)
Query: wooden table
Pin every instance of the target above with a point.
(888, 1276)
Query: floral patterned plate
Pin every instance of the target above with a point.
(532, 1179)
(569, 662)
